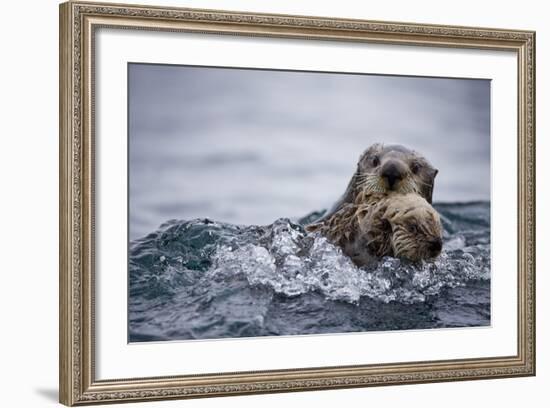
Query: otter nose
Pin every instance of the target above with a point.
(392, 173)
(435, 246)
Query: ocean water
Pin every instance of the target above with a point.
(246, 147)
(205, 279)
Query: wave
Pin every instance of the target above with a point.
(207, 274)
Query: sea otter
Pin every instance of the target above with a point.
(386, 168)
(384, 224)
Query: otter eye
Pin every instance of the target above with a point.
(413, 229)
(415, 167)
(375, 161)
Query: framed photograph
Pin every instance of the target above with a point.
(256, 203)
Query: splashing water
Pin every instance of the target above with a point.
(205, 279)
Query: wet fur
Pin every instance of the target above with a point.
(380, 224)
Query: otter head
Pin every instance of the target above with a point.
(416, 228)
(404, 226)
(394, 168)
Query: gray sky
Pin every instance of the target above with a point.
(251, 146)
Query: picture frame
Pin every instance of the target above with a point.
(79, 25)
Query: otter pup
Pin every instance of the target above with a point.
(399, 225)
(388, 168)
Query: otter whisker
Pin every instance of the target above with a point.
(365, 174)
(409, 186)
(370, 183)
(360, 180)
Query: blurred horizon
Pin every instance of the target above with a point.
(249, 146)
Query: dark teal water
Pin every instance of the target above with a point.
(202, 279)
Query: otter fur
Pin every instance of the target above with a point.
(384, 224)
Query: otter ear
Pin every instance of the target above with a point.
(430, 189)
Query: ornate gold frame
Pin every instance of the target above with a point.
(78, 21)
